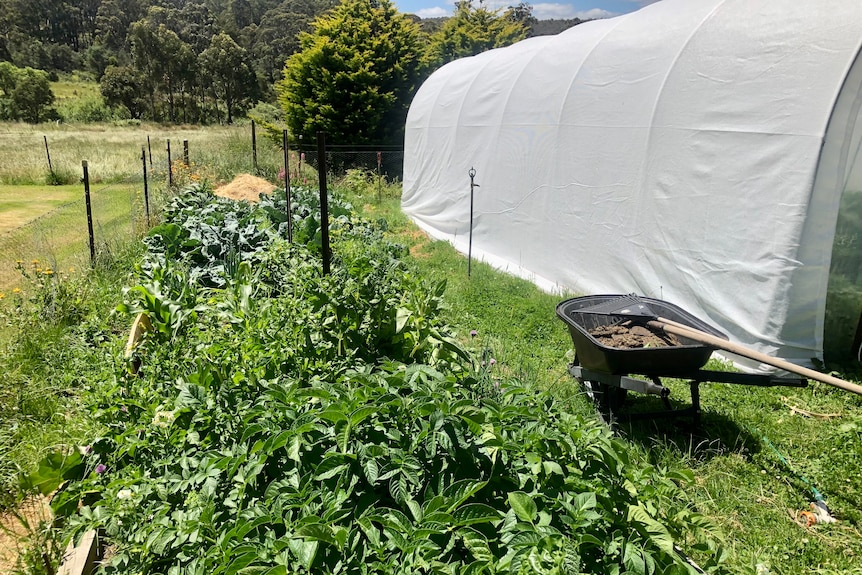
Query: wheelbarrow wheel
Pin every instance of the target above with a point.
(607, 398)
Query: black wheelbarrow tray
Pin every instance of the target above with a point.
(604, 371)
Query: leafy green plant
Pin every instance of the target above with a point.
(296, 422)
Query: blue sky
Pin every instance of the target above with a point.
(545, 9)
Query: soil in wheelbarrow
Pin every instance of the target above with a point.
(627, 336)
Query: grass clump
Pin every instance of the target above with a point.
(57, 338)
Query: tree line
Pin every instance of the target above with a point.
(203, 61)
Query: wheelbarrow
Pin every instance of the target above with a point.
(606, 371)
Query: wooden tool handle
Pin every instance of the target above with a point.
(676, 328)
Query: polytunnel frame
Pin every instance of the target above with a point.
(838, 157)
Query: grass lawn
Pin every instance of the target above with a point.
(22, 204)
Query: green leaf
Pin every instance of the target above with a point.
(461, 491)
(332, 465)
(317, 532)
(655, 531)
(304, 551)
(369, 466)
(53, 470)
(476, 513)
(524, 506)
(476, 544)
(552, 467)
(241, 562)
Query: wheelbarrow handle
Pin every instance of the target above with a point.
(676, 328)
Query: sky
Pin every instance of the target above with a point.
(543, 10)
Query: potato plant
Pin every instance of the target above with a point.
(283, 421)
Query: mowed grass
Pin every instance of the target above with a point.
(48, 223)
(53, 232)
(20, 205)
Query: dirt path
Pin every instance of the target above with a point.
(11, 530)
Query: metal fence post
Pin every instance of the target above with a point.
(146, 187)
(150, 150)
(170, 166)
(186, 152)
(324, 200)
(89, 213)
(287, 185)
(48, 153)
(254, 145)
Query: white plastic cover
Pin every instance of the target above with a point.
(673, 152)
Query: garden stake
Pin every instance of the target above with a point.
(472, 174)
(285, 144)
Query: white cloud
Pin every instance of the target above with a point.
(594, 13)
(548, 11)
(435, 12)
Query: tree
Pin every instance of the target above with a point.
(25, 94)
(472, 31)
(276, 38)
(162, 59)
(121, 86)
(226, 65)
(355, 75)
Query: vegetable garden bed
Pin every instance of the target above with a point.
(283, 421)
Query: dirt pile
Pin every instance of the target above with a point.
(245, 187)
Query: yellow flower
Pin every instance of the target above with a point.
(72, 269)
(34, 262)
(16, 290)
(19, 262)
(48, 272)
(2, 295)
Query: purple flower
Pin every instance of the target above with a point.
(124, 409)
(473, 333)
(101, 468)
(492, 361)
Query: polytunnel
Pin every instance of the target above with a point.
(695, 150)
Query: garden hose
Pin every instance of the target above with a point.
(819, 511)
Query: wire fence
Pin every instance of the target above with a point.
(58, 241)
(383, 161)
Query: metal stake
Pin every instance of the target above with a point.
(89, 213)
(146, 188)
(287, 185)
(472, 174)
(324, 201)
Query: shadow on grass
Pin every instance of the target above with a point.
(646, 421)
